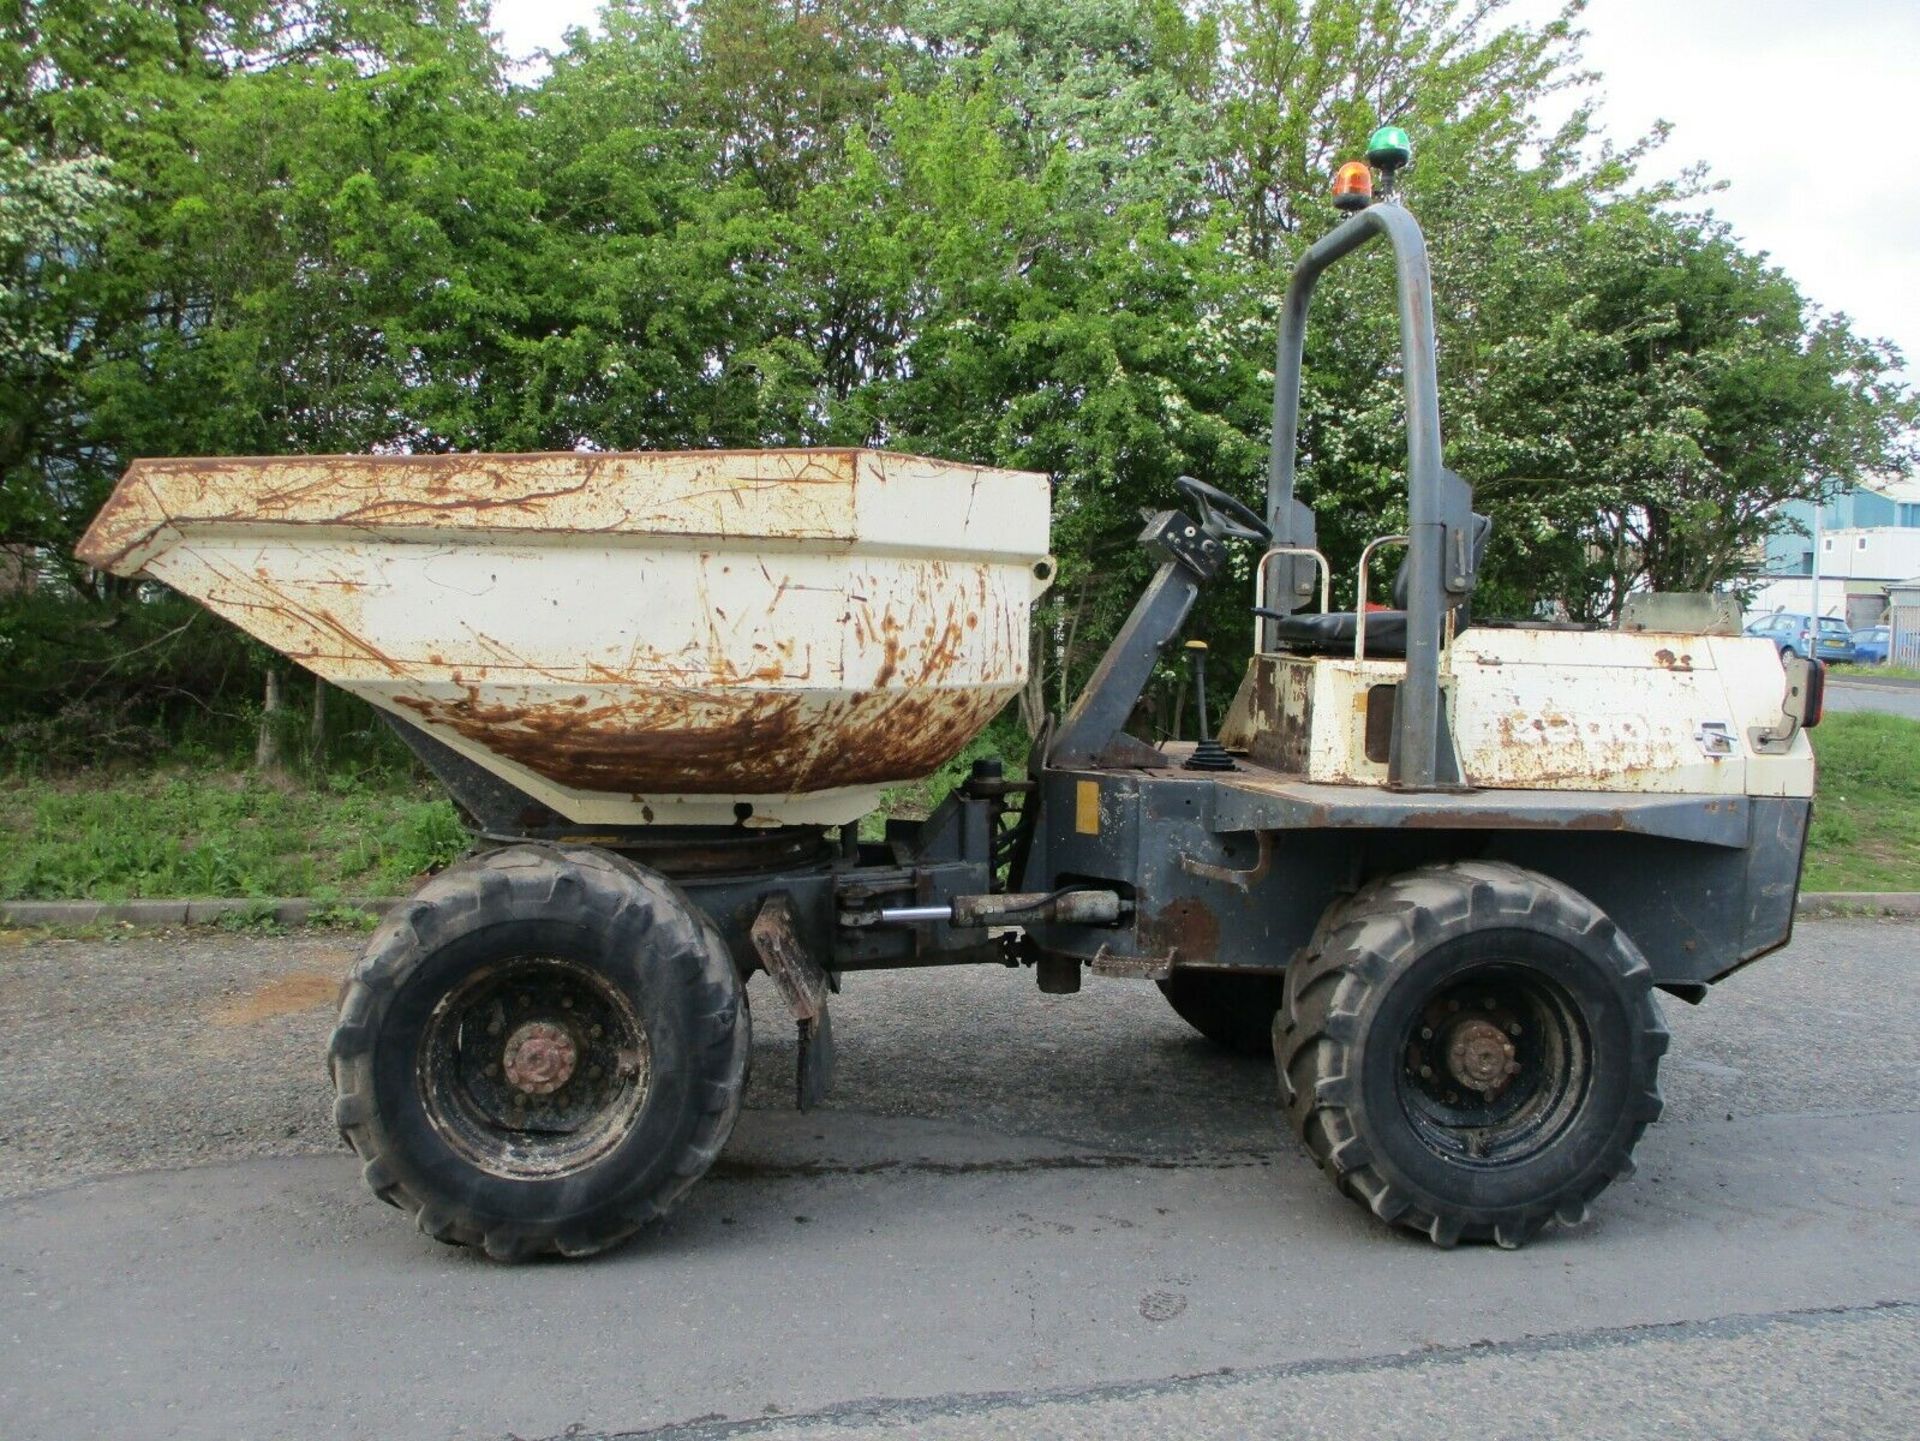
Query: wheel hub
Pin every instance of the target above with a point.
(1479, 1055)
(539, 1057)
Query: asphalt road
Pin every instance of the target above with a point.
(1019, 1215)
(1849, 691)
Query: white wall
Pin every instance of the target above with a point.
(1882, 553)
(1796, 595)
(1857, 563)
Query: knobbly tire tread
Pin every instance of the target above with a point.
(513, 884)
(1359, 947)
(1234, 1010)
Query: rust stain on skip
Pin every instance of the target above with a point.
(745, 743)
(801, 494)
(714, 736)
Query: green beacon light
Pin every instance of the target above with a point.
(1389, 149)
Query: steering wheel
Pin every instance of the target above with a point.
(1222, 514)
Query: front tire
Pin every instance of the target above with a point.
(1470, 1051)
(540, 1051)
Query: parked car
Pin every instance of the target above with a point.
(1870, 644)
(1791, 635)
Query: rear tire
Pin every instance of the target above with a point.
(541, 1051)
(1232, 1009)
(1470, 1051)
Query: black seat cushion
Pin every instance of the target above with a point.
(1332, 633)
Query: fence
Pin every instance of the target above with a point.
(1904, 618)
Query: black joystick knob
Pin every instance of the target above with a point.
(1209, 754)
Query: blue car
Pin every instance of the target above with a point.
(1870, 645)
(1791, 635)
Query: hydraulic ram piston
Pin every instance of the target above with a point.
(1088, 908)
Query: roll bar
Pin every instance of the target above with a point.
(1440, 556)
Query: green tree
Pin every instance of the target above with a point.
(51, 214)
(209, 309)
(1635, 396)
(1050, 235)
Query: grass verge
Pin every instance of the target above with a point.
(201, 833)
(1866, 814)
(1885, 671)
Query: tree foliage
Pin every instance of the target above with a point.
(1049, 235)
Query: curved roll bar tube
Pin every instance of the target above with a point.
(1360, 598)
(1309, 552)
(1417, 719)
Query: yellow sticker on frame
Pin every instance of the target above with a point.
(1086, 808)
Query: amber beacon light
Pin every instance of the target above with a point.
(1353, 186)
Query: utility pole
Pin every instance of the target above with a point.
(1813, 602)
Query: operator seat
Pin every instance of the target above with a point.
(1332, 633)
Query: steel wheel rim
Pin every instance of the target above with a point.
(1486, 1104)
(533, 1068)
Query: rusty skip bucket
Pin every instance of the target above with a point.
(629, 639)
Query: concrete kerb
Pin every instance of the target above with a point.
(1860, 903)
(285, 911)
(1869, 681)
(301, 910)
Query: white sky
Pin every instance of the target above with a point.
(1804, 107)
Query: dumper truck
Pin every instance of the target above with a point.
(1440, 866)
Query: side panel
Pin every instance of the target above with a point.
(1543, 710)
(1640, 711)
(1249, 899)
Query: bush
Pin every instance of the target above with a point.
(89, 684)
(86, 683)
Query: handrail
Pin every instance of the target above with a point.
(1360, 600)
(1417, 710)
(1260, 583)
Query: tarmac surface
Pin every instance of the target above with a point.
(1852, 690)
(1017, 1215)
